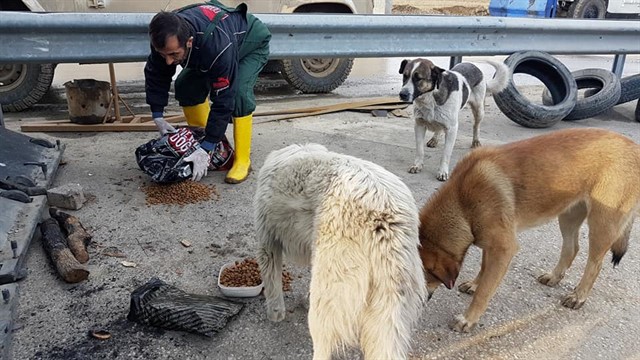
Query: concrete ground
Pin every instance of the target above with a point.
(524, 319)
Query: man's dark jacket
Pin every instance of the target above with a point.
(215, 55)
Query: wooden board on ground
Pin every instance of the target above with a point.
(144, 123)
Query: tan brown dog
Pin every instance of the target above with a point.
(495, 192)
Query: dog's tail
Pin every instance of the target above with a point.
(619, 248)
(500, 79)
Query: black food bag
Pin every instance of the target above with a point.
(163, 158)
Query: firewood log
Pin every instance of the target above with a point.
(55, 245)
(77, 235)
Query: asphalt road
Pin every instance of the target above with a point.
(524, 320)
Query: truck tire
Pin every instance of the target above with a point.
(23, 85)
(272, 67)
(313, 76)
(587, 9)
(553, 74)
(630, 88)
(607, 92)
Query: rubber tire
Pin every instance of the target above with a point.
(272, 67)
(630, 88)
(638, 111)
(578, 8)
(295, 73)
(25, 92)
(553, 74)
(607, 86)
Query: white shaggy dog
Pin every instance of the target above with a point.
(357, 225)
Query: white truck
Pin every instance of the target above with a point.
(23, 85)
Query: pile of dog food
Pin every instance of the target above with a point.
(247, 273)
(181, 193)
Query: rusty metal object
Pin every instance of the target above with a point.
(88, 100)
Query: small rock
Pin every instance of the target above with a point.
(185, 243)
(400, 113)
(379, 113)
(68, 196)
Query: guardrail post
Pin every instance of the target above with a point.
(455, 60)
(618, 64)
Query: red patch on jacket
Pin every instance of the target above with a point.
(221, 83)
(210, 11)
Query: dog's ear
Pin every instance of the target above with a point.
(402, 65)
(436, 75)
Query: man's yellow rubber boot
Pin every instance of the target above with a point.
(197, 115)
(242, 144)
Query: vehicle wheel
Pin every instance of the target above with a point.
(272, 67)
(553, 74)
(603, 93)
(23, 85)
(587, 9)
(630, 88)
(314, 76)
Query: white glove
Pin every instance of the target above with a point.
(200, 160)
(163, 126)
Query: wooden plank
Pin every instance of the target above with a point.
(340, 106)
(173, 119)
(381, 107)
(71, 127)
(114, 92)
(143, 123)
(123, 119)
(291, 111)
(335, 108)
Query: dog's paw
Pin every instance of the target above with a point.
(549, 279)
(275, 315)
(475, 143)
(573, 301)
(415, 169)
(460, 324)
(442, 176)
(468, 287)
(433, 142)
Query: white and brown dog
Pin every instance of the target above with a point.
(438, 95)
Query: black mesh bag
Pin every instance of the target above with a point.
(162, 305)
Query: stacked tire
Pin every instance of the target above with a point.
(553, 74)
(560, 99)
(604, 93)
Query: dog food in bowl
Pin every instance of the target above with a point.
(240, 279)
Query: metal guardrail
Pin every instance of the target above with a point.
(122, 37)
